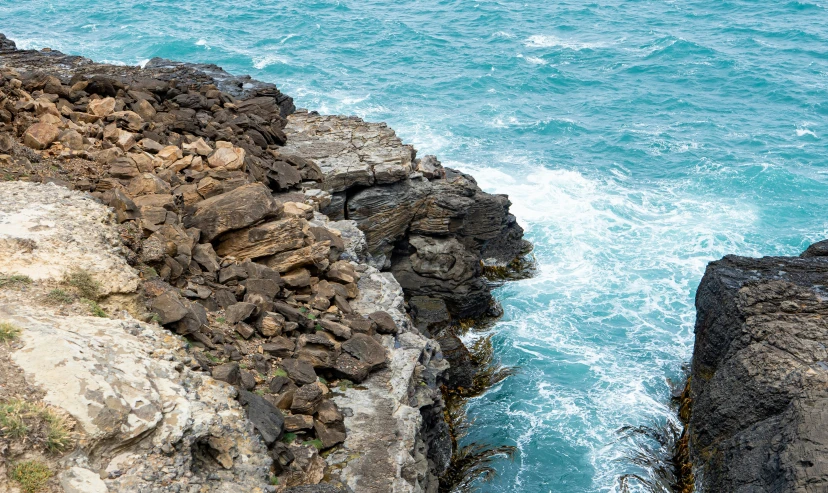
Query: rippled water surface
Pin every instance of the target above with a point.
(638, 140)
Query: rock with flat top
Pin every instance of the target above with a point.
(233, 210)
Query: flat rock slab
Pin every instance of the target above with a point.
(47, 230)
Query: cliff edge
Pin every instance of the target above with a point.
(759, 387)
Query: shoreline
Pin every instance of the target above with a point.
(384, 210)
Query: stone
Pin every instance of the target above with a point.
(236, 209)
(367, 350)
(233, 272)
(281, 347)
(80, 480)
(40, 135)
(337, 329)
(206, 257)
(272, 324)
(247, 380)
(298, 422)
(244, 330)
(306, 398)
(327, 412)
(71, 139)
(385, 324)
(342, 272)
(297, 278)
(329, 434)
(265, 239)
(228, 158)
(278, 383)
(351, 368)
(266, 418)
(299, 371)
(238, 312)
(169, 307)
(315, 254)
(228, 372)
(101, 107)
(298, 210)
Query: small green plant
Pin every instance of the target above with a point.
(8, 332)
(94, 308)
(274, 480)
(221, 320)
(289, 438)
(58, 296)
(280, 373)
(83, 282)
(318, 327)
(35, 423)
(156, 318)
(213, 359)
(316, 443)
(322, 381)
(11, 280)
(345, 385)
(259, 392)
(303, 310)
(311, 317)
(32, 475)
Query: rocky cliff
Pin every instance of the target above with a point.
(299, 261)
(759, 383)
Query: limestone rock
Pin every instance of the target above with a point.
(265, 239)
(41, 135)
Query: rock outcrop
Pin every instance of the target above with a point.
(290, 249)
(760, 375)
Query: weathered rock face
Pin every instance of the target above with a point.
(431, 226)
(760, 379)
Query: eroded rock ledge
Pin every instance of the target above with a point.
(759, 383)
(308, 259)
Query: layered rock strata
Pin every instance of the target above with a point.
(760, 375)
(260, 234)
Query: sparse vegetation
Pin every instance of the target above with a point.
(58, 296)
(280, 373)
(12, 280)
(274, 480)
(8, 332)
(85, 285)
(289, 438)
(36, 424)
(221, 320)
(316, 443)
(345, 385)
(94, 308)
(322, 381)
(32, 475)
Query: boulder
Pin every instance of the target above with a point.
(233, 210)
(315, 254)
(101, 107)
(307, 398)
(40, 135)
(265, 239)
(299, 371)
(228, 372)
(238, 312)
(169, 307)
(367, 350)
(266, 418)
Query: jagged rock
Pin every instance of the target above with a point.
(328, 412)
(278, 383)
(300, 371)
(329, 434)
(366, 349)
(265, 239)
(244, 330)
(238, 312)
(266, 417)
(281, 347)
(206, 257)
(298, 422)
(272, 324)
(319, 488)
(228, 372)
(101, 107)
(315, 254)
(247, 380)
(318, 349)
(385, 324)
(351, 368)
(759, 382)
(337, 329)
(40, 135)
(236, 209)
(80, 480)
(233, 272)
(306, 398)
(297, 278)
(170, 307)
(819, 249)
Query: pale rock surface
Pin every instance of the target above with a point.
(46, 230)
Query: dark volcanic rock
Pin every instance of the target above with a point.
(266, 417)
(760, 379)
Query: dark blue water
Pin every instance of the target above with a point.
(638, 140)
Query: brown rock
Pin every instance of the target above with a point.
(282, 347)
(342, 272)
(300, 371)
(315, 254)
(265, 239)
(329, 435)
(297, 278)
(232, 210)
(228, 372)
(244, 330)
(298, 422)
(226, 157)
(351, 368)
(272, 324)
(367, 350)
(40, 135)
(385, 324)
(327, 412)
(238, 312)
(306, 398)
(101, 107)
(71, 139)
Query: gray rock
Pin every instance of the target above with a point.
(238, 312)
(266, 418)
(280, 347)
(170, 307)
(367, 350)
(759, 379)
(300, 371)
(306, 398)
(228, 372)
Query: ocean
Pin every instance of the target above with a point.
(637, 140)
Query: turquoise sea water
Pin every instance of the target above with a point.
(638, 140)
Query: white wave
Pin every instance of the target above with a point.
(143, 63)
(261, 62)
(548, 41)
(802, 132)
(203, 42)
(503, 34)
(287, 38)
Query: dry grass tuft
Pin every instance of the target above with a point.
(33, 476)
(8, 332)
(13, 280)
(36, 424)
(85, 285)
